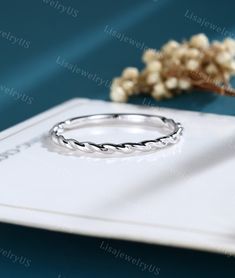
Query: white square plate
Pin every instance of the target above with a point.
(180, 196)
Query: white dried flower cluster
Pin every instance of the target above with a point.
(125, 86)
(166, 72)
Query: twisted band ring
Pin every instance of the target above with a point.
(174, 133)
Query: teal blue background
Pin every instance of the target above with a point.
(82, 41)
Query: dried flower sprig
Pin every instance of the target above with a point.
(180, 67)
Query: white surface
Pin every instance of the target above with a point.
(183, 195)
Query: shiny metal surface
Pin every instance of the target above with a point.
(174, 133)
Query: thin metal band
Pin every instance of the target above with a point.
(175, 131)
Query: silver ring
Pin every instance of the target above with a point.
(175, 131)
